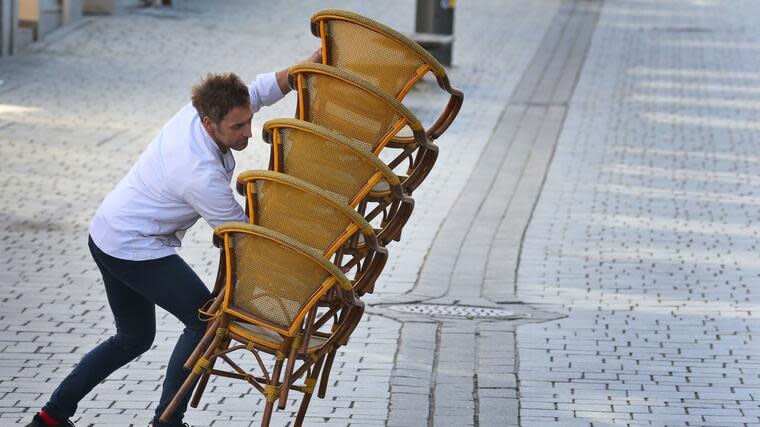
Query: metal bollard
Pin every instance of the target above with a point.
(434, 28)
(8, 26)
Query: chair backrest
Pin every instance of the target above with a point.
(316, 218)
(382, 56)
(344, 103)
(340, 101)
(326, 159)
(312, 215)
(336, 163)
(273, 280)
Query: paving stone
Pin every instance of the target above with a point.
(635, 245)
(643, 235)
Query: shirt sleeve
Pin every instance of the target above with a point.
(264, 91)
(213, 199)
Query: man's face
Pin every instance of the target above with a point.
(234, 129)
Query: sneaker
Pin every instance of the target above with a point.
(38, 422)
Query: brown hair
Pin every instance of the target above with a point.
(217, 94)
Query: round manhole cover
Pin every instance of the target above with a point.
(466, 311)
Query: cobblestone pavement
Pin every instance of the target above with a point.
(76, 111)
(645, 235)
(632, 303)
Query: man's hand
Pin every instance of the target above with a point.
(282, 75)
(315, 57)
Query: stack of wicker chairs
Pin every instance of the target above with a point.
(324, 211)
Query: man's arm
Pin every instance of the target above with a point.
(282, 80)
(282, 75)
(211, 196)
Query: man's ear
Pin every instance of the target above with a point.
(208, 124)
(206, 120)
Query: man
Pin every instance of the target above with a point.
(184, 174)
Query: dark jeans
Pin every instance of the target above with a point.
(134, 288)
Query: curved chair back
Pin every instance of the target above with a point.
(336, 163)
(303, 211)
(273, 280)
(383, 57)
(316, 218)
(342, 102)
(326, 159)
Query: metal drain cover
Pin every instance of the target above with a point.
(466, 311)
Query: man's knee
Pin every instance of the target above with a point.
(136, 343)
(191, 320)
(195, 326)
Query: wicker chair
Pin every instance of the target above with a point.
(340, 101)
(272, 287)
(317, 219)
(383, 57)
(331, 161)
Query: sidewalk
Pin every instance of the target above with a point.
(628, 300)
(645, 235)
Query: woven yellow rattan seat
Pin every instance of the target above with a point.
(383, 57)
(272, 287)
(268, 337)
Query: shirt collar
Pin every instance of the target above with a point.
(227, 159)
(208, 139)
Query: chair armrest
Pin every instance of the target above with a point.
(392, 230)
(240, 187)
(266, 135)
(366, 283)
(449, 113)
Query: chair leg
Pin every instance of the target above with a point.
(326, 373)
(189, 381)
(190, 362)
(271, 392)
(285, 386)
(267, 415)
(201, 387)
(310, 382)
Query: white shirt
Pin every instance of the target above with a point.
(180, 177)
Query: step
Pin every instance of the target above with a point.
(24, 37)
